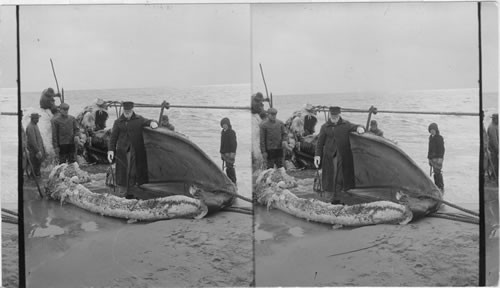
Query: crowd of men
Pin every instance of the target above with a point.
(126, 145)
(333, 150)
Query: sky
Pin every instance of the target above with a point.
(303, 48)
(353, 47)
(134, 46)
(8, 53)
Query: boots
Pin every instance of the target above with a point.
(438, 180)
(231, 173)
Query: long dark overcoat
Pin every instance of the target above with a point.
(126, 133)
(334, 140)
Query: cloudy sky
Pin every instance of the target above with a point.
(333, 47)
(304, 48)
(133, 46)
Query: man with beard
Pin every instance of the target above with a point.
(333, 152)
(128, 142)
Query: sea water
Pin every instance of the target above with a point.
(200, 125)
(8, 149)
(410, 131)
(461, 133)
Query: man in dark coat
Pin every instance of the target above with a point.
(333, 152)
(128, 143)
(101, 115)
(228, 146)
(436, 154)
(47, 100)
(65, 134)
(273, 137)
(310, 120)
(35, 144)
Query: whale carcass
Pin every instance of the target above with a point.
(66, 184)
(272, 187)
(389, 187)
(183, 182)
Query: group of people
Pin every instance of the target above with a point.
(126, 144)
(333, 150)
(65, 133)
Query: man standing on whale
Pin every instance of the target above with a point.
(128, 142)
(333, 152)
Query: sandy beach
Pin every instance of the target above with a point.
(491, 232)
(10, 255)
(427, 252)
(69, 247)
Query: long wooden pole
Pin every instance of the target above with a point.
(54, 71)
(325, 108)
(264, 79)
(140, 105)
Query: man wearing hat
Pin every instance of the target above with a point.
(128, 143)
(493, 141)
(65, 135)
(101, 115)
(273, 138)
(35, 144)
(310, 120)
(333, 152)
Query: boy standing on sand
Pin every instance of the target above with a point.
(436, 154)
(228, 146)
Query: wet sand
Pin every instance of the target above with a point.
(427, 252)
(10, 255)
(67, 247)
(491, 233)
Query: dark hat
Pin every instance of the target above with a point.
(335, 110)
(272, 111)
(373, 122)
(225, 121)
(128, 105)
(64, 106)
(35, 115)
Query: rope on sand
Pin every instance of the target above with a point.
(239, 196)
(10, 212)
(238, 210)
(452, 205)
(9, 219)
(466, 219)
